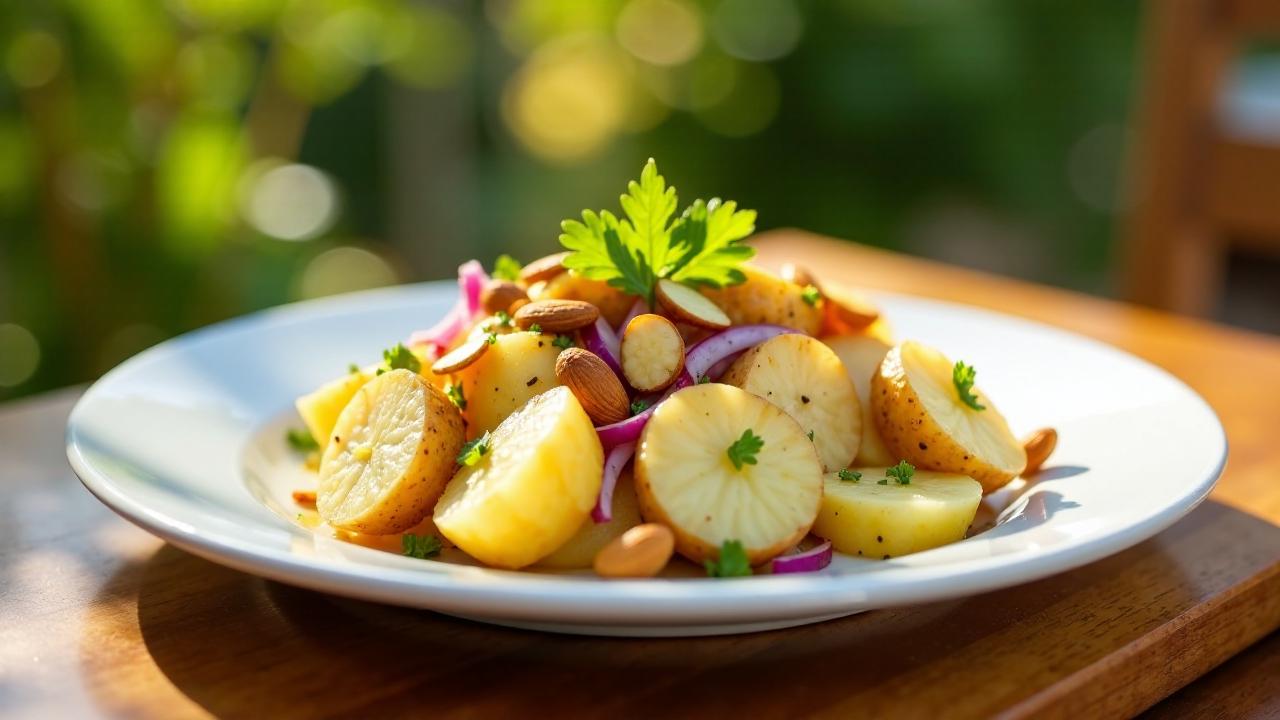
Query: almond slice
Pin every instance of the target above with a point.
(544, 268)
(556, 316)
(499, 295)
(462, 356)
(652, 352)
(1039, 446)
(597, 388)
(690, 306)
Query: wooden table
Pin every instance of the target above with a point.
(99, 618)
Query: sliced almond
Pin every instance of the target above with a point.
(543, 268)
(463, 355)
(597, 388)
(1039, 446)
(498, 296)
(556, 316)
(690, 306)
(643, 551)
(847, 310)
(793, 273)
(652, 352)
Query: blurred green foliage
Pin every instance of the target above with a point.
(165, 164)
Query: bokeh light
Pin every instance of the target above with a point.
(289, 202)
(757, 30)
(19, 354)
(662, 32)
(343, 269)
(33, 59)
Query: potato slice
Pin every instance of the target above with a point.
(687, 480)
(320, 408)
(806, 379)
(393, 449)
(516, 367)
(533, 489)
(580, 550)
(883, 521)
(922, 419)
(767, 298)
(688, 306)
(861, 356)
(652, 352)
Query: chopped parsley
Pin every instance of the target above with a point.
(353, 368)
(810, 436)
(300, 440)
(962, 375)
(420, 546)
(703, 379)
(564, 342)
(811, 295)
(639, 406)
(506, 268)
(743, 450)
(847, 475)
(902, 473)
(701, 247)
(399, 358)
(535, 328)
(474, 450)
(732, 562)
(491, 338)
(454, 391)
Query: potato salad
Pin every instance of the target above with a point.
(646, 402)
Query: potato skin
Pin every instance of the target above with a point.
(767, 298)
(912, 435)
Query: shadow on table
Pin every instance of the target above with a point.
(241, 646)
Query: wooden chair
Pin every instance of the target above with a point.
(1195, 191)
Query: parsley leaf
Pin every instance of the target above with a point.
(535, 328)
(300, 440)
(506, 268)
(491, 337)
(743, 450)
(564, 342)
(420, 546)
(708, 240)
(474, 450)
(399, 358)
(962, 375)
(599, 253)
(847, 475)
(811, 295)
(703, 379)
(732, 562)
(639, 406)
(454, 391)
(353, 368)
(902, 472)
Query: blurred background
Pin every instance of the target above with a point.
(165, 164)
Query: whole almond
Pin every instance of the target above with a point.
(639, 552)
(543, 268)
(556, 316)
(1039, 446)
(594, 384)
(498, 295)
(800, 276)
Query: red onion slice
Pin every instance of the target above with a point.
(614, 462)
(443, 333)
(625, 431)
(704, 355)
(811, 560)
(601, 340)
(471, 280)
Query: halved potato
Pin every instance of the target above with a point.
(767, 298)
(861, 356)
(580, 550)
(516, 367)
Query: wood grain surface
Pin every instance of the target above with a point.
(98, 618)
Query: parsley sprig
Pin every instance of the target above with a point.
(301, 440)
(731, 563)
(474, 450)
(456, 396)
(701, 247)
(420, 546)
(963, 375)
(847, 475)
(506, 268)
(743, 450)
(902, 473)
(399, 358)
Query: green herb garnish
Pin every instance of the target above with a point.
(703, 379)
(301, 440)
(732, 562)
(564, 342)
(639, 406)
(474, 450)
(420, 546)
(506, 268)
(810, 436)
(399, 358)
(962, 375)
(454, 391)
(811, 295)
(743, 450)
(535, 328)
(847, 475)
(491, 338)
(353, 368)
(902, 472)
(703, 246)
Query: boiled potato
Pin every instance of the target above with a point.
(581, 549)
(320, 408)
(613, 303)
(516, 367)
(922, 419)
(861, 356)
(393, 448)
(533, 488)
(767, 298)
(867, 518)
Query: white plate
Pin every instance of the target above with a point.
(186, 441)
